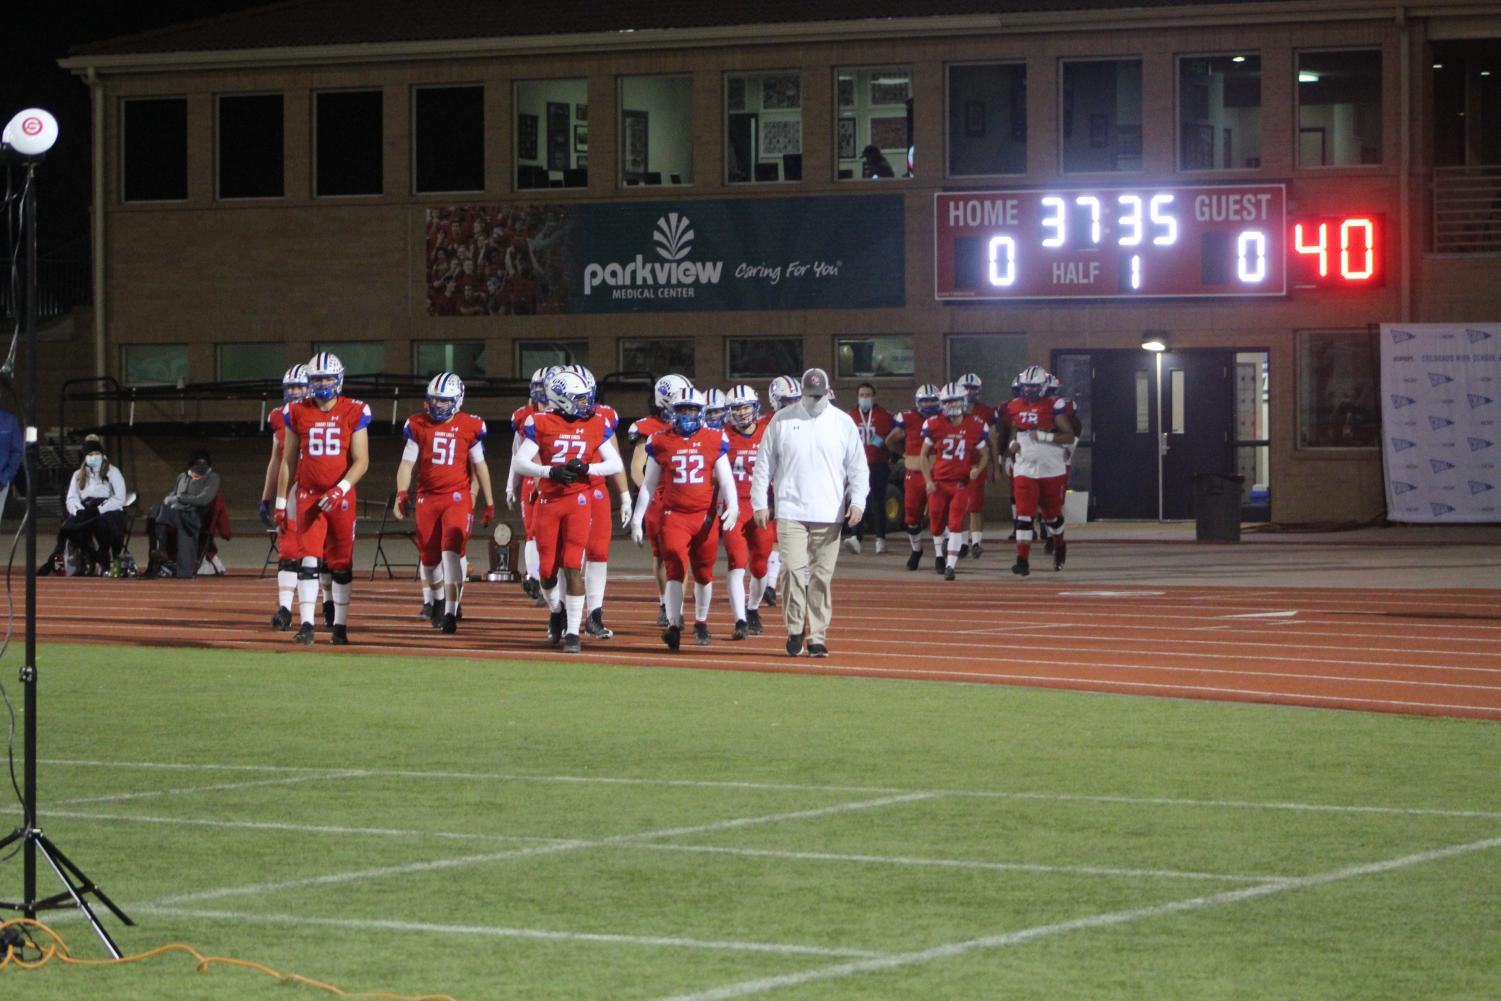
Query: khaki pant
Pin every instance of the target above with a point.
(809, 550)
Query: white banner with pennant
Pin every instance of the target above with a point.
(1441, 421)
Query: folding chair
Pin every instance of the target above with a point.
(272, 558)
(382, 534)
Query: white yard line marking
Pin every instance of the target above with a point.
(1261, 615)
(501, 932)
(219, 787)
(765, 985)
(290, 828)
(256, 889)
(1232, 804)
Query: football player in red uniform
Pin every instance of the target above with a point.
(906, 437)
(954, 457)
(597, 552)
(293, 389)
(327, 433)
(447, 448)
(697, 475)
(639, 433)
(526, 487)
(1039, 427)
(555, 450)
(748, 546)
(974, 543)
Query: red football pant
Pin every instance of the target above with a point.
(598, 548)
(747, 546)
(915, 489)
(443, 524)
(287, 545)
(529, 507)
(653, 526)
(974, 495)
(562, 533)
(948, 506)
(327, 535)
(1034, 494)
(689, 538)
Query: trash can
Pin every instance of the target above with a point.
(1217, 507)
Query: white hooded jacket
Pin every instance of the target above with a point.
(817, 463)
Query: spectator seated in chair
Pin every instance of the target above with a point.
(95, 526)
(176, 524)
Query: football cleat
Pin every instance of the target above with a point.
(595, 626)
(976, 551)
(305, 635)
(427, 610)
(769, 599)
(914, 560)
(795, 644)
(1020, 567)
(339, 636)
(817, 650)
(949, 573)
(328, 613)
(435, 617)
(753, 623)
(700, 634)
(662, 616)
(964, 550)
(282, 620)
(673, 637)
(571, 643)
(531, 587)
(449, 625)
(1049, 546)
(740, 630)
(1059, 555)
(938, 564)
(556, 623)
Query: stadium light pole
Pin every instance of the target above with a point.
(26, 138)
(1155, 341)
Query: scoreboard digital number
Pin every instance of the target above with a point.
(1099, 243)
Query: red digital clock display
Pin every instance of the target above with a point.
(1336, 251)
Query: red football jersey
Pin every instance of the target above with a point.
(522, 413)
(873, 428)
(560, 439)
(911, 422)
(956, 447)
(613, 420)
(687, 482)
(278, 422)
(1022, 414)
(324, 438)
(443, 450)
(743, 450)
(984, 411)
(643, 429)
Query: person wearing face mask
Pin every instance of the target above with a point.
(875, 423)
(96, 513)
(813, 453)
(183, 513)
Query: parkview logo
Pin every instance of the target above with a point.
(674, 277)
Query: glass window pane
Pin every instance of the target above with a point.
(359, 357)
(1339, 108)
(253, 361)
(494, 261)
(658, 356)
(1219, 112)
(763, 357)
(1143, 403)
(656, 130)
(873, 357)
(1101, 115)
(988, 119)
(763, 123)
(532, 355)
(348, 143)
(154, 157)
(466, 359)
(155, 364)
(449, 138)
(1338, 373)
(250, 146)
(548, 138)
(1251, 396)
(1176, 388)
(873, 130)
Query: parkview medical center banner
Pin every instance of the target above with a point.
(1441, 421)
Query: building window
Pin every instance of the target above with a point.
(532, 355)
(1219, 112)
(347, 145)
(763, 121)
(1466, 103)
(154, 155)
(250, 137)
(763, 357)
(154, 364)
(659, 355)
(1100, 113)
(1339, 108)
(359, 357)
(873, 123)
(988, 118)
(656, 130)
(1338, 372)
(252, 361)
(466, 359)
(448, 144)
(548, 113)
(873, 356)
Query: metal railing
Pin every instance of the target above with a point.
(1467, 210)
(63, 277)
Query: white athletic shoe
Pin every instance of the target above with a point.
(853, 545)
(880, 546)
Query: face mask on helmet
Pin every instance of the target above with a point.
(744, 415)
(324, 387)
(441, 408)
(714, 418)
(929, 406)
(1032, 390)
(954, 407)
(294, 392)
(687, 418)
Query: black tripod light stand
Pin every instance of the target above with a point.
(30, 134)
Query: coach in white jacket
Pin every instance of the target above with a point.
(813, 453)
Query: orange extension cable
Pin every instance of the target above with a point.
(57, 949)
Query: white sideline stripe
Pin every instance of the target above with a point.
(531, 933)
(1229, 804)
(219, 787)
(894, 860)
(549, 849)
(765, 984)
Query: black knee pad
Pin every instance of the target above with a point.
(345, 576)
(548, 583)
(307, 573)
(914, 529)
(1024, 524)
(288, 566)
(1056, 525)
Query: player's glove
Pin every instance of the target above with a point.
(625, 510)
(729, 517)
(487, 515)
(281, 513)
(267, 518)
(579, 467)
(561, 474)
(638, 535)
(511, 496)
(400, 508)
(331, 499)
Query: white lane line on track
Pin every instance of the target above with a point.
(377, 872)
(901, 861)
(764, 985)
(542, 934)
(625, 780)
(219, 787)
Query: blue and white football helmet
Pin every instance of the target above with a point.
(325, 375)
(784, 391)
(570, 396)
(745, 408)
(926, 400)
(1033, 380)
(716, 408)
(294, 384)
(666, 391)
(688, 411)
(445, 396)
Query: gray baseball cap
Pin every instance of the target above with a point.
(815, 382)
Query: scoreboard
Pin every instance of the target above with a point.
(1144, 243)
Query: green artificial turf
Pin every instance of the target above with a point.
(302, 771)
